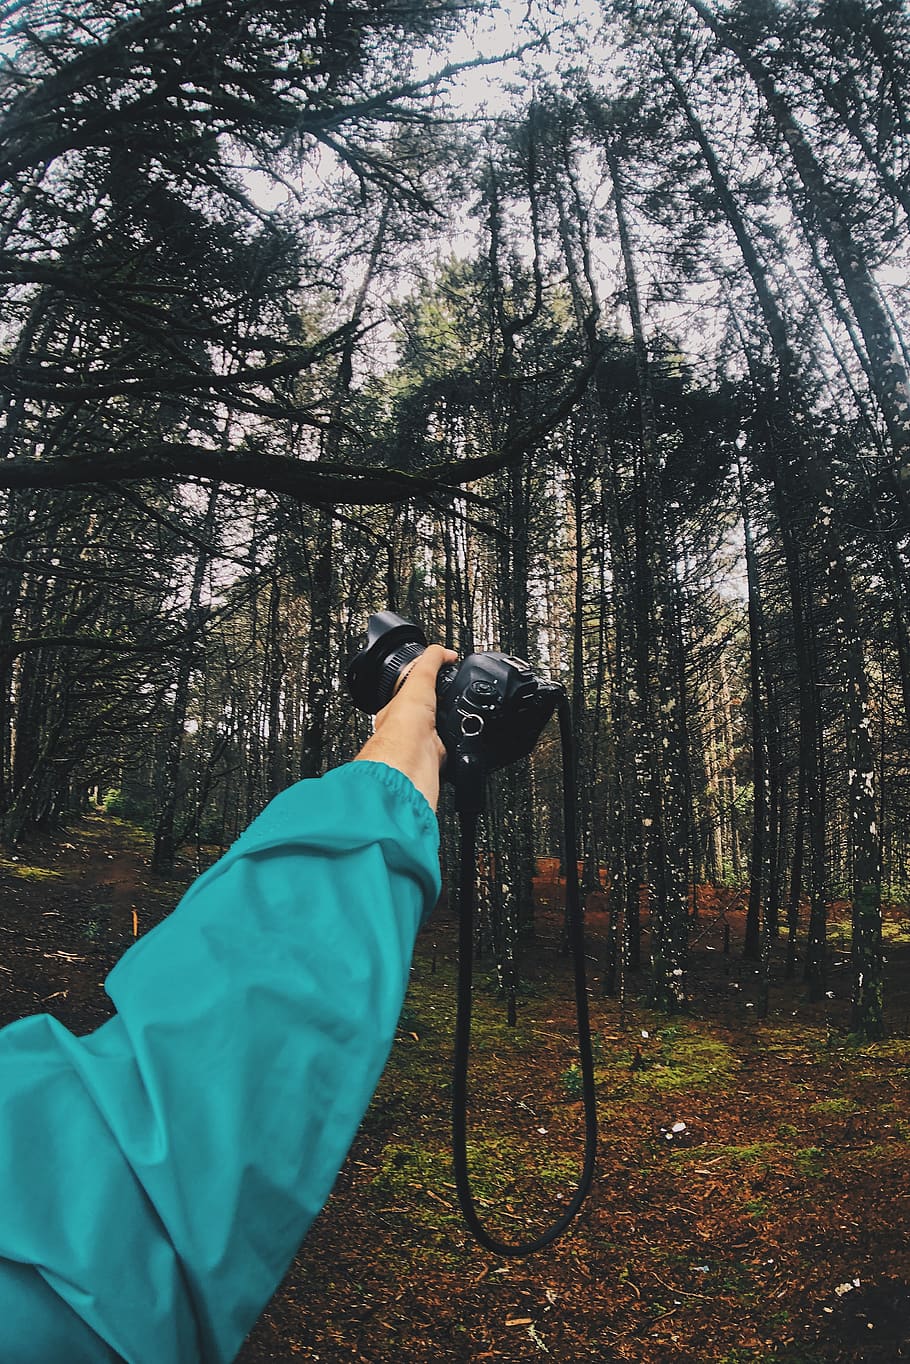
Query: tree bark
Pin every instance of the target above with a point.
(164, 848)
(655, 634)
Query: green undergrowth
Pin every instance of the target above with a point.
(664, 1058)
(419, 1069)
(98, 827)
(811, 1162)
(674, 1057)
(28, 871)
(816, 1044)
(891, 1049)
(429, 1012)
(840, 1104)
(753, 1156)
(755, 1159)
(418, 1179)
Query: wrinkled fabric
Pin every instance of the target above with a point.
(161, 1172)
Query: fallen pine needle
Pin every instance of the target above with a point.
(683, 1292)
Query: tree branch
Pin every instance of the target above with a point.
(312, 482)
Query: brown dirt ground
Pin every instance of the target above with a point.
(776, 1229)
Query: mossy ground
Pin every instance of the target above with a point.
(778, 1230)
(741, 1244)
(24, 871)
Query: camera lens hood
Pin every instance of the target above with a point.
(389, 644)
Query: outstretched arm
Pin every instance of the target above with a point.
(161, 1172)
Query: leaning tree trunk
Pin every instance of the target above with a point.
(784, 448)
(655, 681)
(889, 374)
(515, 556)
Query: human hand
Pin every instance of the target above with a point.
(405, 736)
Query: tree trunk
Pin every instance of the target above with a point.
(164, 848)
(758, 878)
(655, 674)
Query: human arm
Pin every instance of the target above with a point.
(162, 1172)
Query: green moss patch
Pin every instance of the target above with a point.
(27, 872)
(678, 1058)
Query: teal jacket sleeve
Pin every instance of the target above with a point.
(159, 1174)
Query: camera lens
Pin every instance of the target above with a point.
(391, 669)
(389, 645)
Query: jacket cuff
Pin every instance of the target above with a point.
(357, 804)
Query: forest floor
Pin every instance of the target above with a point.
(777, 1228)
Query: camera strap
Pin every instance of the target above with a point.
(468, 819)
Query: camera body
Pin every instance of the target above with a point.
(491, 707)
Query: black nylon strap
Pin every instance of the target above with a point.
(467, 892)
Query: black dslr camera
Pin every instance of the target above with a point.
(491, 708)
